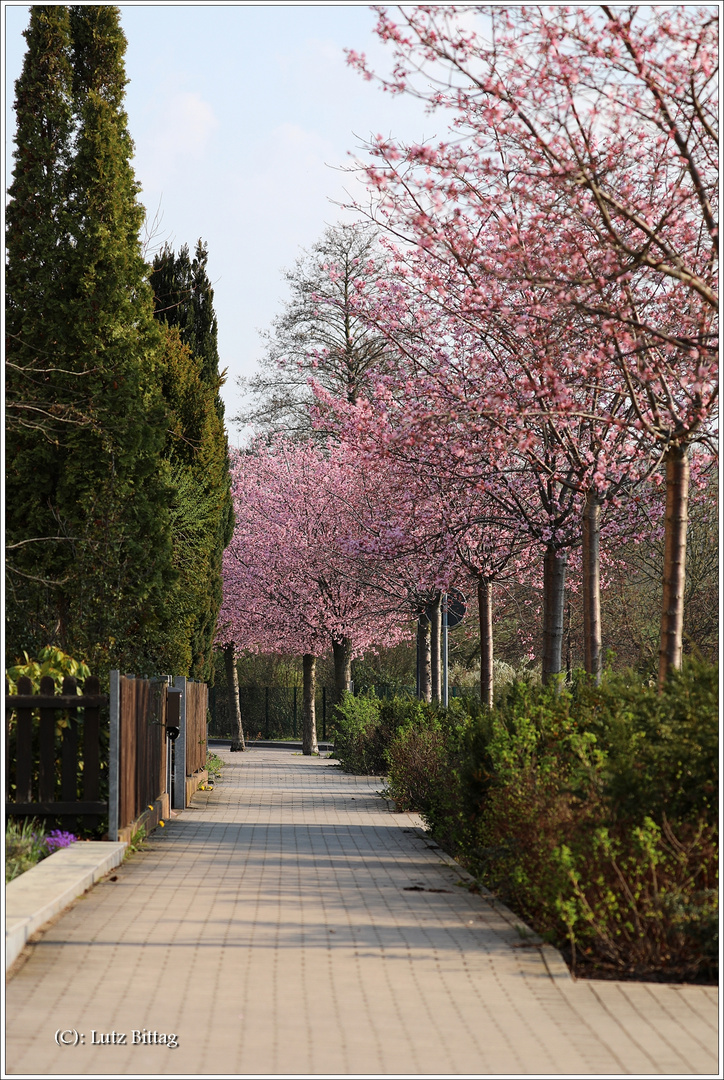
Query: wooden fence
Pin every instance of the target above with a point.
(56, 752)
(197, 703)
(65, 763)
(189, 750)
(142, 750)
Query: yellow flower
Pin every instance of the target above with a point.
(162, 824)
(150, 806)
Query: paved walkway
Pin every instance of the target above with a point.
(289, 923)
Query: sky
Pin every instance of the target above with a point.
(244, 118)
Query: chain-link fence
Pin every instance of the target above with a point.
(275, 712)
(269, 712)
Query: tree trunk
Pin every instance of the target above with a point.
(342, 651)
(554, 591)
(672, 611)
(424, 666)
(232, 685)
(435, 645)
(485, 612)
(569, 657)
(309, 716)
(592, 585)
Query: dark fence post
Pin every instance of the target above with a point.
(24, 746)
(69, 749)
(46, 772)
(295, 711)
(113, 763)
(91, 744)
(266, 712)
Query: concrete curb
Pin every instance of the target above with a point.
(325, 746)
(42, 892)
(555, 964)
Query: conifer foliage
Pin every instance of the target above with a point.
(196, 448)
(89, 521)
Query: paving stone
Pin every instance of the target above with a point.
(284, 924)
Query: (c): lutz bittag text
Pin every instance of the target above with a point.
(139, 1037)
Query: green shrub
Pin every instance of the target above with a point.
(50, 661)
(26, 843)
(366, 728)
(355, 740)
(662, 749)
(416, 759)
(647, 753)
(24, 847)
(640, 899)
(590, 810)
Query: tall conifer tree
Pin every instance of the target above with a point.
(39, 403)
(184, 298)
(100, 492)
(197, 445)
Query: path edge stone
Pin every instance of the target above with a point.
(44, 891)
(552, 959)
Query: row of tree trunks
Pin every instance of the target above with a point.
(429, 652)
(554, 586)
(342, 681)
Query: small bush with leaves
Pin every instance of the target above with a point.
(640, 899)
(26, 843)
(357, 721)
(366, 729)
(50, 661)
(416, 762)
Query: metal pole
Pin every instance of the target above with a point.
(179, 755)
(444, 651)
(295, 710)
(166, 680)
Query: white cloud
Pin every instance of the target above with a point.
(190, 123)
(179, 129)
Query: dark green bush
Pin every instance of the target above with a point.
(647, 753)
(416, 758)
(662, 749)
(590, 810)
(357, 721)
(367, 727)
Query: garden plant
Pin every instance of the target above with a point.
(591, 810)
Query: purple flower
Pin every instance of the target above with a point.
(58, 839)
